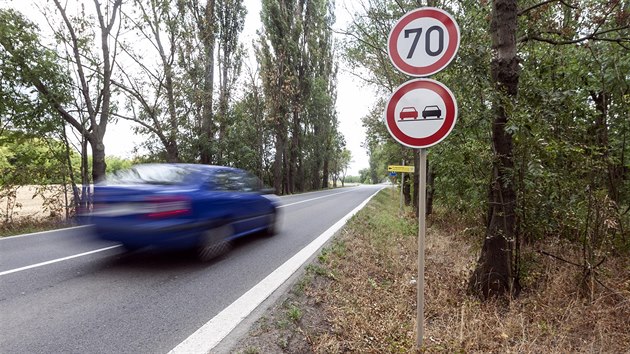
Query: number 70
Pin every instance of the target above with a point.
(427, 41)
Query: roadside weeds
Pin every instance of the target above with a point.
(359, 297)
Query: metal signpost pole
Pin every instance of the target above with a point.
(422, 186)
(439, 32)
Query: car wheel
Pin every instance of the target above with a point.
(215, 243)
(273, 225)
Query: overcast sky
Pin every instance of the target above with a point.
(353, 100)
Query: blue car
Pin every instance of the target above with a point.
(179, 206)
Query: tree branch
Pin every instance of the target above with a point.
(559, 258)
(594, 36)
(44, 91)
(535, 6)
(137, 121)
(85, 89)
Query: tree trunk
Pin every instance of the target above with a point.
(325, 175)
(98, 154)
(292, 160)
(98, 162)
(208, 39)
(172, 152)
(85, 179)
(286, 168)
(613, 171)
(493, 275)
(406, 187)
(172, 148)
(277, 163)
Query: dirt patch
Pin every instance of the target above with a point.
(32, 202)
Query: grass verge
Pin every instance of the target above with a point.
(359, 297)
(29, 225)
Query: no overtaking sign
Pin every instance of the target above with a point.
(421, 113)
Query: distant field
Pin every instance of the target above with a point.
(35, 202)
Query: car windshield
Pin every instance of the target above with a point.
(149, 174)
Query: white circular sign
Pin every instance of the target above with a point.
(423, 41)
(421, 113)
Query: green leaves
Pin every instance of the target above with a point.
(24, 61)
(569, 122)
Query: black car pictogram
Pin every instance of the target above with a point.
(431, 111)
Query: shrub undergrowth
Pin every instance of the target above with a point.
(362, 297)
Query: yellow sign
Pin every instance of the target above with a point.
(395, 168)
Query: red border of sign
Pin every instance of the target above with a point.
(449, 120)
(451, 50)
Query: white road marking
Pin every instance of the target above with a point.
(56, 260)
(41, 232)
(215, 330)
(107, 248)
(308, 200)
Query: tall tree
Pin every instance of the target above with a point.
(249, 137)
(30, 127)
(93, 71)
(154, 90)
(205, 18)
(231, 19)
(299, 78)
(555, 23)
(273, 55)
(493, 274)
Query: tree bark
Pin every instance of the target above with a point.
(613, 172)
(325, 175)
(430, 185)
(493, 275)
(406, 188)
(317, 165)
(278, 161)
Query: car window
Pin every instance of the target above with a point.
(252, 183)
(221, 181)
(149, 174)
(235, 181)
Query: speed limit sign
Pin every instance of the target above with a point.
(423, 41)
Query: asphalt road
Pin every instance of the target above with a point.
(109, 301)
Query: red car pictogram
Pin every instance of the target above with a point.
(408, 113)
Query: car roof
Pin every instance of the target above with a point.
(193, 169)
(192, 166)
(195, 173)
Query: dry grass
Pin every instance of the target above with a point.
(360, 297)
(31, 208)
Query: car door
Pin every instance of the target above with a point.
(242, 201)
(262, 206)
